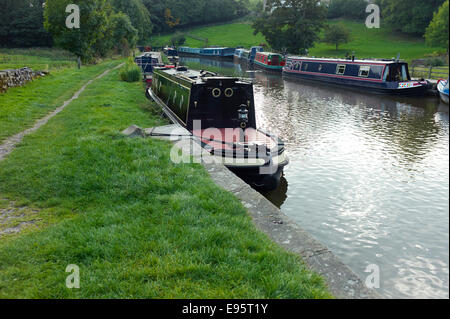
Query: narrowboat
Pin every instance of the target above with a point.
(269, 61)
(252, 54)
(382, 76)
(171, 54)
(218, 52)
(148, 61)
(188, 51)
(442, 87)
(219, 113)
(224, 53)
(238, 54)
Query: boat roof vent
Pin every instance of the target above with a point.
(181, 68)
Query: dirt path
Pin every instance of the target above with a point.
(10, 143)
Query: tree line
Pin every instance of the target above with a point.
(118, 25)
(106, 25)
(295, 25)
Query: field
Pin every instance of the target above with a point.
(367, 43)
(42, 59)
(20, 107)
(136, 224)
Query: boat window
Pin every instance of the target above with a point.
(297, 67)
(405, 76)
(386, 74)
(320, 67)
(340, 69)
(306, 66)
(364, 71)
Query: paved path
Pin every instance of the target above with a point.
(10, 143)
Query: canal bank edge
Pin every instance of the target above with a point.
(342, 282)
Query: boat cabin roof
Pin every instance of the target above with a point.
(193, 76)
(344, 61)
(268, 53)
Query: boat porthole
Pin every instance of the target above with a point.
(243, 125)
(216, 92)
(229, 92)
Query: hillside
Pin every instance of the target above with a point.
(367, 43)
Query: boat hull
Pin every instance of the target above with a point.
(375, 87)
(260, 174)
(444, 97)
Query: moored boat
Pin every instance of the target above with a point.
(442, 87)
(223, 52)
(148, 61)
(269, 61)
(219, 112)
(238, 54)
(383, 76)
(171, 54)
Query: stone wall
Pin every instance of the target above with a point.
(19, 77)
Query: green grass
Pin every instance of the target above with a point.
(20, 107)
(137, 225)
(230, 35)
(375, 43)
(367, 43)
(43, 59)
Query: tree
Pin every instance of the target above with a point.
(124, 35)
(91, 39)
(352, 9)
(437, 31)
(409, 16)
(138, 14)
(293, 25)
(170, 20)
(336, 34)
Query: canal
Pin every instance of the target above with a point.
(368, 176)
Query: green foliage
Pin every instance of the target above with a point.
(350, 9)
(337, 34)
(409, 16)
(374, 43)
(101, 29)
(178, 39)
(137, 224)
(89, 41)
(124, 35)
(189, 13)
(291, 25)
(21, 24)
(130, 72)
(435, 62)
(437, 32)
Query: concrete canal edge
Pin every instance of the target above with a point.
(342, 282)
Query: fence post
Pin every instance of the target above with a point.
(431, 69)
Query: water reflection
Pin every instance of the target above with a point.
(368, 177)
(278, 196)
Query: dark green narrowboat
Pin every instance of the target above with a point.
(219, 112)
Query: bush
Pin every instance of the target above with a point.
(435, 62)
(130, 72)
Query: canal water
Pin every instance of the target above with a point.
(368, 176)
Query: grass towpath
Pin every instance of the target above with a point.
(137, 225)
(20, 107)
